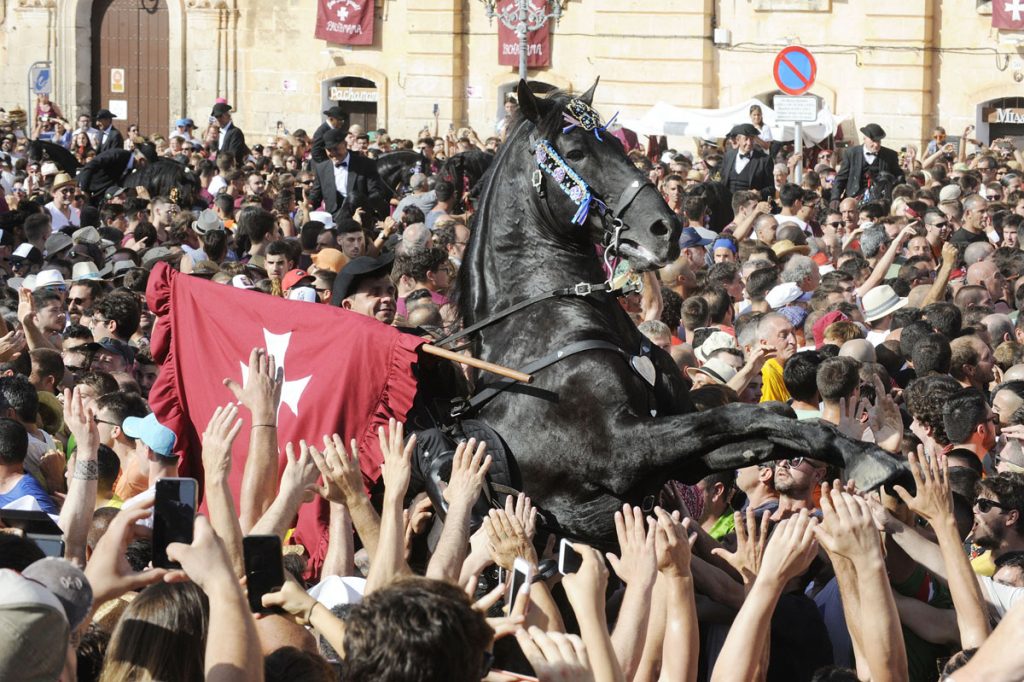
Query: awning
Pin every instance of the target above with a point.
(665, 119)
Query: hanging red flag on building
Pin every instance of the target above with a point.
(344, 373)
(1008, 14)
(538, 43)
(345, 22)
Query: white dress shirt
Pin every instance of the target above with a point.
(742, 162)
(341, 175)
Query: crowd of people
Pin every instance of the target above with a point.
(880, 293)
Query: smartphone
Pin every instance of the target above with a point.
(52, 545)
(437, 109)
(522, 573)
(264, 569)
(569, 560)
(174, 515)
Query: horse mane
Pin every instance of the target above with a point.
(465, 170)
(393, 166)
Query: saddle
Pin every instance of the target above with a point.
(435, 449)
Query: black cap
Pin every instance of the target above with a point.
(874, 132)
(148, 151)
(744, 129)
(220, 108)
(334, 137)
(348, 279)
(334, 112)
(104, 113)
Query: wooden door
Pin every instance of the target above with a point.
(130, 63)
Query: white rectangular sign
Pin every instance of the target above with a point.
(802, 109)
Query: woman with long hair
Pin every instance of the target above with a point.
(81, 146)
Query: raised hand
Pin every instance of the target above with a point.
(847, 527)
(300, 473)
(396, 469)
(885, 419)
(507, 539)
(524, 511)
(851, 418)
(79, 417)
(469, 469)
(205, 561)
(751, 538)
(586, 586)
(262, 390)
(791, 548)
(342, 478)
(637, 559)
(293, 600)
(12, 344)
(671, 545)
(108, 570)
(26, 307)
(218, 439)
(933, 499)
(555, 657)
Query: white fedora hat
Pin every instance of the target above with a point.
(881, 301)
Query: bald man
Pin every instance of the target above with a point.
(860, 350)
(986, 274)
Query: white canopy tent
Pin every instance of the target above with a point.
(665, 119)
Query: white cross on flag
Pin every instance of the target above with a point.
(1008, 15)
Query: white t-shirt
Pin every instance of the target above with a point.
(59, 220)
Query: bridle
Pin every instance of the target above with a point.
(550, 164)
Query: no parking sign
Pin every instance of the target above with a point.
(795, 70)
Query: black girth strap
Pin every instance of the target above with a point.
(581, 289)
(492, 390)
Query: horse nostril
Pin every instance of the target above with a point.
(660, 228)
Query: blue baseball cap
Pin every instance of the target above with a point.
(155, 435)
(184, 122)
(690, 238)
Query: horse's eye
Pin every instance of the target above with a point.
(575, 155)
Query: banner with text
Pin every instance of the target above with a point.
(538, 43)
(345, 22)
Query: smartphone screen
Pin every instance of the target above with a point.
(264, 570)
(569, 560)
(51, 545)
(174, 514)
(522, 573)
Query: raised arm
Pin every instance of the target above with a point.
(847, 530)
(585, 590)
(76, 514)
(218, 440)
(297, 481)
(887, 259)
(933, 502)
(343, 484)
(636, 566)
(681, 647)
(232, 646)
(262, 395)
(389, 559)
(789, 553)
(469, 467)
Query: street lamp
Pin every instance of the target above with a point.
(524, 17)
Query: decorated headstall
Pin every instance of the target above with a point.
(577, 114)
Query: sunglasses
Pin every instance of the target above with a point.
(985, 505)
(939, 226)
(794, 462)
(838, 223)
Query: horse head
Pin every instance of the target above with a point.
(584, 178)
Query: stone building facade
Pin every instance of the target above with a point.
(908, 65)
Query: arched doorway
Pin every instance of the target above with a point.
(506, 89)
(357, 97)
(130, 62)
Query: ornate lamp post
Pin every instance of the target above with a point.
(523, 17)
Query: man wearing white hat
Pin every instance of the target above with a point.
(62, 213)
(879, 305)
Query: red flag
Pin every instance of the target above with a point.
(344, 373)
(345, 22)
(538, 43)
(1008, 14)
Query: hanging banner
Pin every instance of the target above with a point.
(345, 22)
(538, 43)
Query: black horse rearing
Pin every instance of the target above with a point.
(583, 435)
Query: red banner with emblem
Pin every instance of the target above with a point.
(1008, 14)
(538, 43)
(345, 22)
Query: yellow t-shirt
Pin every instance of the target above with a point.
(773, 387)
(984, 565)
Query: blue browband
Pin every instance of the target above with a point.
(578, 114)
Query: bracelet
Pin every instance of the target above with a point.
(269, 426)
(86, 471)
(309, 613)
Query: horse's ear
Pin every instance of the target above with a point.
(588, 96)
(528, 102)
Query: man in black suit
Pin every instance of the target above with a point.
(109, 137)
(346, 182)
(111, 168)
(232, 140)
(864, 162)
(335, 121)
(746, 167)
